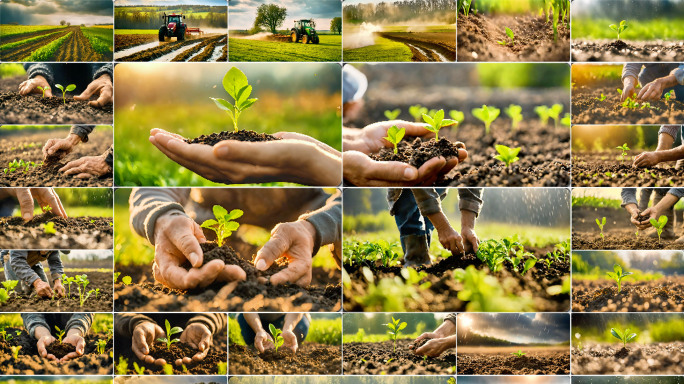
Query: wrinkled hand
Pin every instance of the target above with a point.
(362, 171)
(42, 288)
(432, 348)
(144, 334)
(59, 289)
(295, 241)
(67, 145)
(628, 89)
(263, 341)
(290, 341)
(199, 337)
(43, 196)
(651, 213)
(451, 240)
(470, 239)
(646, 159)
(31, 86)
(102, 86)
(42, 344)
(652, 91)
(371, 139)
(87, 167)
(74, 338)
(177, 240)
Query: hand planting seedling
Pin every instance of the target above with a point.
(49, 228)
(619, 28)
(60, 334)
(625, 336)
(602, 98)
(515, 113)
(68, 88)
(624, 148)
(659, 225)
(394, 329)
(520, 353)
(487, 115)
(101, 344)
(510, 34)
(169, 333)
(394, 136)
(600, 225)
(618, 275)
(437, 122)
(278, 339)
(223, 226)
(543, 112)
(507, 155)
(236, 84)
(43, 89)
(555, 113)
(392, 115)
(417, 111)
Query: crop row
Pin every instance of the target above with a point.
(99, 43)
(45, 52)
(14, 30)
(25, 41)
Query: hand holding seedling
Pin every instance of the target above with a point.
(263, 341)
(103, 87)
(74, 338)
(144, 334)
(43, 196)
(198, 336)
(628, 88)
(294, 241)
(371, 139)
(31, 86)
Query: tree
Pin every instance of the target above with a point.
(270, 16)
(336, 25)
(62, 22)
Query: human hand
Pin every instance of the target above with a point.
(628, 88)
(45, 197)
(646, 159)
(74, 338)
(652, 91)
(176, 240)
(371, 139)
(102, 86)
(290, 341)
(87, 167)
(59, 288)
(470, 240)
(67, 145)
(199, 337)
(44, 339)
(362, 171)
(263, 341)
(31, 86)
(634, 214)
(295, 241)
(450, 239)
(433, 347)
(144, 334)
(42, 288)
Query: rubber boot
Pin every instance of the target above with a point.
(417, 252)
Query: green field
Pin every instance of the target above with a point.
(382, 50)
(638, 30)
(136, 31)
(14, 30)
(329, 49)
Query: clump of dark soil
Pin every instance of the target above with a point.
(60, 350)
(158, 349)
(215, 138)
(381, 359)
(499, 361)
(662, 295)
(602, 169)
(637, 359)
(84, 232)
(620, 51)
(418, 152)
(310, 359)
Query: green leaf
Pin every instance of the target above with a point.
(233, 81)
(234, 214)
(248, 103)
(175, 330)
(232, 226)
(223, 104)
(243, 94)
(630, 337)
(458, 116)
(653, 222)
(60, 87)
(613, 27)
(127, 280)
(662, 220)
(219, 211)
(70, 87)
(272, 328)
(603, 221)
(509, 32)
(209, 223)
(438, 117)
(617, 269)
(428, 119)
(448, 122)
(616, 333)
(627, 274)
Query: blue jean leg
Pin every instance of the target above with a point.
(409, 220)
(248, 334)
(23, 287)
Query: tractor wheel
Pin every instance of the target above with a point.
(294, 37)
(305, 39)
(315, 39)
(180, 34)
(162, 33)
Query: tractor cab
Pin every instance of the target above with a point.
(304, 30)
(173, 26)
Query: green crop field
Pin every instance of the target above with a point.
(382, 50)
(642, 30)
(329, 49)
(14, 30)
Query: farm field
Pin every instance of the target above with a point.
(25, 143)
(145, 46)
(271, 49)
(399, 43)
(58, 43)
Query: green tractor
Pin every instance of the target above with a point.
(304, 30)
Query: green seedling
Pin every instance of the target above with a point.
(602, 98)
(4, 296)
(625, 336)
(168, 369)
(49, 228)
(15, 351)
(466, 7)
(236, 84)
(392, 115)
(67, 281)
(101, 344)
(600, 225)
(624, 148)
(457, 116)
(520, 353)
(184, 368)
(515, 113)
(529, 263)
(116, 276)
(222, 368)
(60, 334)
(97, 293)
(43, 89)
(543, 112)
(555, 113)
(126, 280)
(437, 121)
(122, 366)
(68, 88)
(10, 285)
(619, 28)
(4, 335)
(46, 208)
(394, 329)
(81, 283)
(223, 226)
(451, 380)
(668, 95)
(659, 225)
(277, 336)
(417, 111)
(618, 275)
(487, 115)
(394, 136)
(169, 333)
(510, 34)
(507, 155)
(138, 369)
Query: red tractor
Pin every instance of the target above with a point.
(174, 26)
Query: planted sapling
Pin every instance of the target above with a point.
(515, 113)
(487, 115)
(392, 115)
(437, 122)
(520, 353)
(659, 225)
(619, 28)
(126, 280)
(10, 285)
(625, 336)
(15, 351)
(466, 7)
(602, 98)
(60, 334)
(624, 148)
(529, 263)
(507, 155)
(116, 276)
(4, 296)
(394, 136)
(510, 34)
(223, 226)
(101, 344)
(555, 113)
(236, 84)
(668, 95)
(49, 228)
(543, 112)
(169, 333)
(394, 328)
(417, 111)
(600, 225)
(138, 369)
(618, 275)
(457, 116)
(68, 88)
(278, 339)
(43, 89)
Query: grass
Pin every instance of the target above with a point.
(329, 49)
(136, 31)
(26, 41)
(322, 331)
(639, 30)
(383, 50)
(11, 70)
(591, 73)
(596, 202)
(101, 39)
(14, 30)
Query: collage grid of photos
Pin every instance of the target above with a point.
(341, 191)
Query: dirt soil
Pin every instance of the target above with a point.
(371, 359)
(164, 48)
(206, 46)
(122, 42)
(34, 303)
(217, 137)
(77, 48)
(662, 295)
(489, 361)
(478, 35)
(442, 295)
(587, 109)
(27, 145)
(208, 366)
(612, 359)
(256, 293)
(606, 169)
(311, 359)
(23, 51)
(83, 232)
(619, 51)
(427, 46)
(30, 363)
(418, 152)
(33, 109)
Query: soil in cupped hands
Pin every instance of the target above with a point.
(381, 358)
(178, 350)
(249, 136)
(662, 295)
(310, 359)
(83, 232)
(60, 350)
(418, 152)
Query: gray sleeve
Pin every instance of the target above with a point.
(327, 221)
(40, 69)
(679, 192)
(428, 200)
(679, 74)
(33, 321)
(80, 321)
(672, 130)
(103, 69)
(216, 322)
(82, 131)
(55, 263)
(21, 268)
(147, 204)
(628, 196)
(470, 199)
(125, 323)
(631, 69)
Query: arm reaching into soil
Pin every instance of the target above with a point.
(31, 86)
(262, 340)
(77, 134)
(667, 202)
(629, 203)
(45, 197)
(289, 323)
(442, 339)
(89, 166)
(296, 158)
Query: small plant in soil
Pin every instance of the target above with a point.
(602, 98)
(236, 84)
(168, 369)
(122, 366)
(466, 7)
(555, 113)
(222, 368)
(619, 28)
(624, 148)
(529, 263)
(624, 336)
(68, 88)
(169, 333)
(457, 116)
(60, 334)
(81, 283)
(43, 89)
(15, 351)
(543, 112)
(600, 224)
(394, 136)
(138, 369)
(618, 275)
(276, 333)
(520, 353)
(223, 226)
(101, 344)
(437, 122)
(394, 328)
(487, 115)
(126, 280)
(659, 225)
(668, 95)
(49, 228)
(507, 155)
(515, 113)
(417, 111)
(116, 276)
(10, 285)
(510, 35)
(392, 115)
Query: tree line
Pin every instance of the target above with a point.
(403, 10)
(151, 18)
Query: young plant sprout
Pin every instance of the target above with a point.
(224, 226)
(4, 296)
(624, 148)
(618, 275)
(49, 228)
(566, 120)
(659, 225)
(43, 89)
(10, 285)
(392, 115)
(510, 34)
(457, 116)
(602, 98)
(138, 369)
(437, 122)
(625, 336)
(394, 328)
(515, 113)
(543, 112)
(122, 366)
(60, 334)
(168, 369)
(520, 353)
(619, 28)
(507, 155)
(116, 276)
(222, 368)
(15, 351)
(668, 95)
(487, 115)
(236, 84)
(466, 7)
(417, 111)
(555, 113)
(101, 344)
(600, 225)
(529, 263)
(169, 333)
(278, 339)
(126, 280)
(68, 88)
(394, 136)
